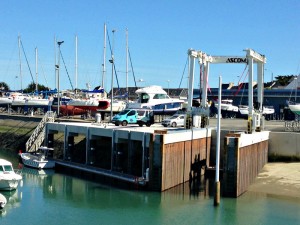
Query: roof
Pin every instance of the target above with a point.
(4, 162)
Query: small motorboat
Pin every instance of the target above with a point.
(39, 159)
(3, 201)
(9, 179)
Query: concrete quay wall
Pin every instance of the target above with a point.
(284, 144)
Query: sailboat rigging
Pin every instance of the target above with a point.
(21, 45)
(294, 106)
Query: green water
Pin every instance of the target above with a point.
(59, 199)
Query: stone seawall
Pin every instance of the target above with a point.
(15, 131)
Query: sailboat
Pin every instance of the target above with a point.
(95, 100)
(28, 100)
(294, 106)
(91, 100)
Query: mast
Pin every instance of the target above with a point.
(55, 75)
(19, 42)
(36, 69)
(104, 57)
(127, 64)
(76, 65)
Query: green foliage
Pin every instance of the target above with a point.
(284, 80)
(31, 88)
(4, 86)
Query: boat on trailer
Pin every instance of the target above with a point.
(39, 159)
(267, 110)
(294, 107)
(155, 98)
(227, 108)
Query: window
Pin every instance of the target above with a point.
(160, 96)
(124, 112)
(144, 98)
(8, 168)
(141, 112)
(131, 113)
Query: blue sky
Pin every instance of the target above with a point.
(160, 34)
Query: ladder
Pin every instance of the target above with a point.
(37, 137)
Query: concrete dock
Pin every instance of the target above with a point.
(282, 179)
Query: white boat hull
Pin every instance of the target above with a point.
(295, 108)
(9, 180)
(36, 161)
(157, 99)
(8, 185)
(117, 106)
(31, 102)
(267, 110)
(4, 101)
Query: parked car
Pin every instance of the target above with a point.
(176, 120)
(134, 116)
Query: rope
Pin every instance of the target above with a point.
(66, 68)
(44, 73)
(296, 84)
(111, 53)
(183, 71)
(241, 84)
(132, 68)
(27, 61)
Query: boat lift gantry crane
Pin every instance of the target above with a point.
(205, 60)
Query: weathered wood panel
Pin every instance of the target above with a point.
(242, 165)
(188, 159)
(173, 165)
(177, 160)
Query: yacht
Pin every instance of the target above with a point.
(9, 97)
(30, 101)
(38, 160)
(227, 108)
(267, 110)
(9, 180)
(294, 107)
(95, 101)
(157, 99)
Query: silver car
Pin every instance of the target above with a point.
(176, 120)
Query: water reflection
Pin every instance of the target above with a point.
(70, 200)
(13, 201)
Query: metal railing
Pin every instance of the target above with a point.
(38, 135)
(293, 126)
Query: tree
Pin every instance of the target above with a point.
(4, 86)
(284, 80)
(31, 88)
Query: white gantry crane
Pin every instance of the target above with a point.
(205, 60)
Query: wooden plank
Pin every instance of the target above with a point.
(249, 161)
(177, 159)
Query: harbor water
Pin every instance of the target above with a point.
(46, 197)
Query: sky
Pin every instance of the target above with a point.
(160, 32)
